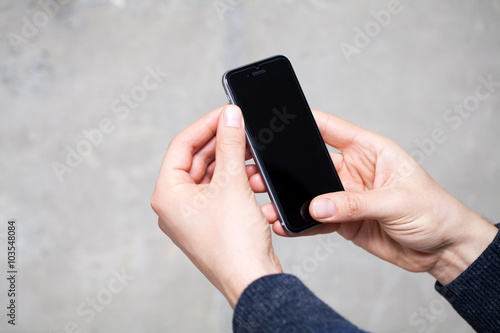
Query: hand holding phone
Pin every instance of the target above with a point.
(284, 138)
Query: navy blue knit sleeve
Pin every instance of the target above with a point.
(282, 303)
(475, 294)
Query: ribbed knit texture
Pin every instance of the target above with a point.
(282, 303)
(475, 294)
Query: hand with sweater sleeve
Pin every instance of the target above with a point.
(392, 207)
(206, 206)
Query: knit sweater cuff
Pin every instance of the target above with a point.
(475, 294)
(282, 303)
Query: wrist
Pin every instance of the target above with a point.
(458, 256)
(239, 279)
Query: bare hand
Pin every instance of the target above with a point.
(206, 206)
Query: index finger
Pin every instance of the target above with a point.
(179, 156)
(337, 132)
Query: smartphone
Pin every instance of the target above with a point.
(284, 138)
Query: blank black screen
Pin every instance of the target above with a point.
(285, 138)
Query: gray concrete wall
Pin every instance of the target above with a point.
(63, 74)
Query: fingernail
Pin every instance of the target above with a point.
(323, 208)
(232, 116)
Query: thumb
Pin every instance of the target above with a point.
(230, 143)
(354, 206)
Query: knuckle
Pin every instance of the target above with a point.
(230, 144)
(354, 206)
(174, 140)
(155, 204)
(161, 201)
(162, 226)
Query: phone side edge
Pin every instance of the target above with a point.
(258, 161)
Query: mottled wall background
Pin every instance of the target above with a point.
(90, 255)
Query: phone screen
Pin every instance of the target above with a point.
(285, 140)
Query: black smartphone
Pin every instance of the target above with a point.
(284, 138)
